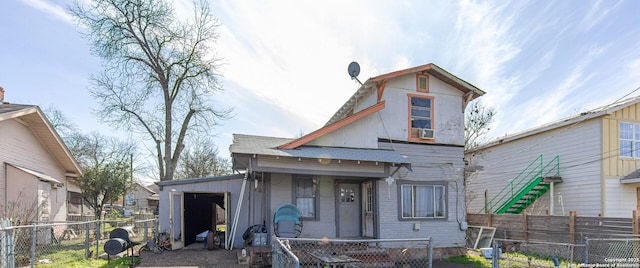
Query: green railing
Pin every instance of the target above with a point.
(524, 182)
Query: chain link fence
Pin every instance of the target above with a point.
(56, 244)
(613, 252)
(307, 252)
(519, 253)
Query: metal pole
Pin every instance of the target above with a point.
(86, 239)
(551, 205)
(430, 253)
(586, 252)
(33, 244)
(494, 254)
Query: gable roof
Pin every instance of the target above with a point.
(574, 119)
(34, 118)
(342, 118)
(470, 90)
(260, 145)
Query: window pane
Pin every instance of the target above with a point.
(421, 102)
(421, 113)
(406, 201)
(422, 82)
(636, 149)
(626, 131)
(424, 201)
(306, 206)
(439, 206)
(421, 123)
(625, 148)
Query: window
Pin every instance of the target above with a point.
(422, 200)
(420, 114)
(422, 83)
(629, 140)
(305, 194)
(368, 195)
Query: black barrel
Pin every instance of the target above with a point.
(115, 245)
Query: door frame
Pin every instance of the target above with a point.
(337, 183)
(176, 243)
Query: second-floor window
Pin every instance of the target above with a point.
(421, 114)
(630, 140)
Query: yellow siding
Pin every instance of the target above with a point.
(614, 166)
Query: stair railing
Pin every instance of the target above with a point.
(531, 172)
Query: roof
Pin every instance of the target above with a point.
(633, 177)
(432, 69)
(145, 188)
(39, 175)
(260, 145)
(575, 119)
(33, 117)
(200, 180)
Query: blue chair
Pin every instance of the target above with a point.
(287, 221)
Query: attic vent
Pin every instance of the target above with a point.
(426, 133)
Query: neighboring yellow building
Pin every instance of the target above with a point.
(598, 160)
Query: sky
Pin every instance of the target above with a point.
(285, 62)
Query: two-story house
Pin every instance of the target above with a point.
(388, 164)
(588, 163)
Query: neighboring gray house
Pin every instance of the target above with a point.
(588, 163)
(388, 164)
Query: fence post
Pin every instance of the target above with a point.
(634, 222)
(87, 242)
(525, 226)
(34, 236)
(572, 226)
(489, 219)
(586, 251)
(146, 231)
(6, 242)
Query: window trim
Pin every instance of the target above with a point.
(635, 150)
(433, 121)
(443, 184)
(316, 201)
(418, 89)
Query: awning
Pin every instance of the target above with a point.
(41, 176)
(633, 177)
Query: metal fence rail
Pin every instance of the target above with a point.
(519, 253)
(56, 244)
(296, 252)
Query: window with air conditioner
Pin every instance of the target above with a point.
(421, 117)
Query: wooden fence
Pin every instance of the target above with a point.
(558, 229)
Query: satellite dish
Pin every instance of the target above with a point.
(354, 69)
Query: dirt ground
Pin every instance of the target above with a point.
(196, 256)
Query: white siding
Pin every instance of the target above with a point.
(620, 198)
(448, 113)
(358, 134)
(580, 168)
(429, 163)
(20, 147)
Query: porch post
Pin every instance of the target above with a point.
(551, 198)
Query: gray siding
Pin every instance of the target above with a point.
(429, 163)
(233, 187)
(580, 167)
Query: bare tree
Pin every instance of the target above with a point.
(107, 169)
(160, 71)
(202, 160)
(478, 119)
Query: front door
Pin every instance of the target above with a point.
(348, 209)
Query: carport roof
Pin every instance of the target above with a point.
(260, 145)
(200, 180)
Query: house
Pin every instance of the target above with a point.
(139, 199)
(387, 164)
(37, 172)
(588, 163)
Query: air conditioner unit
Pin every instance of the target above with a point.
(56, 185)
(426, 133)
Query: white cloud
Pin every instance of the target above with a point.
(57, 11)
